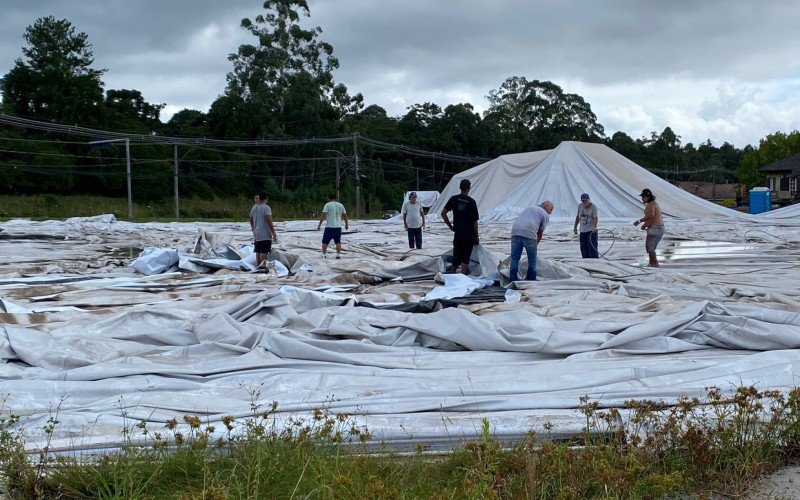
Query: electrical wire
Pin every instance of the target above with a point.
(167, 140)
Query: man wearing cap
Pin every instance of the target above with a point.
(587, 217)
(526, 233)
(464, 226)
(413, 220)
(653, 223)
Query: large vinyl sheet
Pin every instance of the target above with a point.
(505, 186)
(84, 333)
(491, 181)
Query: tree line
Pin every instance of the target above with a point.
(282, 86)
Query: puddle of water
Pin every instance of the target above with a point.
(130, 252)
(38, 237)
(696, 249)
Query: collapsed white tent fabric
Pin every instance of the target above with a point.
(82, 332)
(425, 198)
(493, 180)
(507, 185)
(788, 212)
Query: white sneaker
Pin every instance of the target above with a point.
(338, 256)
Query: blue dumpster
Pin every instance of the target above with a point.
(760, 200)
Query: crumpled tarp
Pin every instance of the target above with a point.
(81, 331)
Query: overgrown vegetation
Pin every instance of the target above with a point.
(49, 206)
(715, 445)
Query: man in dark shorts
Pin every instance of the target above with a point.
(262, 227)
(333, 213)
(464, 226)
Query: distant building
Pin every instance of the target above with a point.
(782, 178)
(714, 192)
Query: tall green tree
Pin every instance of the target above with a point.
(664, 150)
(288, 65)
(55, 80)
(187, 123)
(624, 144)
(770, 149)
(544, 109)
(131, 105)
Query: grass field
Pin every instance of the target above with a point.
(49, 206)
(717, 445)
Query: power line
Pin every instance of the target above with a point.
(166, 140)
(699, 171)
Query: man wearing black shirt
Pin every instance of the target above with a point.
(464, 226)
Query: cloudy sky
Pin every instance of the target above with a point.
(721, 70)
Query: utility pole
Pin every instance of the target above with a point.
(339, 153)
(417, 169)
(177, 211)
(338, 198)
(358, 176)
(128, 174)
(127, 167)
(714, 186)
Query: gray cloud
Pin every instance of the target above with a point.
(724, 70)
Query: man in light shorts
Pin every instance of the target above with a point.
(653, 223)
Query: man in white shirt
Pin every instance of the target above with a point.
(332, 214)
(413, 220)
(527, 233)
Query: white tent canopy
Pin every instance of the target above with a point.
(493, 180)
(425, 198)
(505, 186)
(788, 212)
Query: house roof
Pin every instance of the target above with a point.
(789, 164)
(708, 190)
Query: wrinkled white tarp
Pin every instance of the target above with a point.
(787, 212)
(505, 186)
(80, 330)
(103, 219)
(155, 260)
(424, 198)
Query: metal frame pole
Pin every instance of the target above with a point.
(338, 198)
(177, 208)
(128, 175)
(358, 177)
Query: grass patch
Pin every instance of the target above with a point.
(717, 445)
(50, 206)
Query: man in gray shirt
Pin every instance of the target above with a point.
(587, 217)
(526, 233)
(413, 220)
(263, 229)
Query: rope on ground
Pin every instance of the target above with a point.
(761, 231)
(613, 240)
